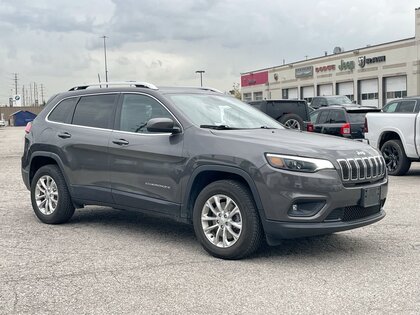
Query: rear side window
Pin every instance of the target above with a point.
(337, 116)
(63, 112)
(323, 117)
(314, 116)
(137, 110)
(95, 111)
(406, 107)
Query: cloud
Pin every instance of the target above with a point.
(58, 43)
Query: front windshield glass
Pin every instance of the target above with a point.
(340, 100)
(216, 110)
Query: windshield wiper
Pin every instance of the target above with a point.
(217, 127)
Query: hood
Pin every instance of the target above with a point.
(294, 142)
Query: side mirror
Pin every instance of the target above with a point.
(162, 125)
(354, 102)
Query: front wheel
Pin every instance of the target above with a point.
(395, 158)
(226, 221)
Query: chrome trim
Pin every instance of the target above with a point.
(129, 83)
(106, 93)
(376, 164)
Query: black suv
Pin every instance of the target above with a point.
(321, 101)
(200, 157)
(292, 114)
(342, 121)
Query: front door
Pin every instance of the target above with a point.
(145, 167)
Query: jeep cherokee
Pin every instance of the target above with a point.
(200, 157)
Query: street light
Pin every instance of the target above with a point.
(106, 66)
(201, 76)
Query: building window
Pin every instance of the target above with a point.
(258, 96)
(396, 94)
(247, 97)
(369, 96)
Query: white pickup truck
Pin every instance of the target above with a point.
(396, 132)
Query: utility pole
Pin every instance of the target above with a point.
(23, 96)
(42, 94)
(16, 83)
(30, 94)
(106, 66)
(201, 76)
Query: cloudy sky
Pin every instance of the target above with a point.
(57, 43)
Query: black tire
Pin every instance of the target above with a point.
(251, 235)
(290, 120)
(396, 160)
(64, 209)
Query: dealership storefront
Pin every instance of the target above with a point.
(371, 75)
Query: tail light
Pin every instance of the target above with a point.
(345, 129)
(366, 128)
(310, 127)
(28, 127)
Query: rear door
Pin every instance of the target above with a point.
(321, 121)
(335, 121)
(145, 167)
(81, 140)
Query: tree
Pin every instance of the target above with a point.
(236, 92)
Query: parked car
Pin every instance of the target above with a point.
(342, 121)
(396, 132)
(2, 123)
(321, 101)
(201, 157)
(292, 114)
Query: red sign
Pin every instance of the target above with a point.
(254, 78)
(325, 68)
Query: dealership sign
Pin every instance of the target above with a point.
(304, 72)
(346, 65)
(325, 68)
(363, 60)
(254, 78)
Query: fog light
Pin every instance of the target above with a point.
(305, 208)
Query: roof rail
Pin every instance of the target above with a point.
(204, 88)
(106, 84)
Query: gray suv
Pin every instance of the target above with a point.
(201, 157)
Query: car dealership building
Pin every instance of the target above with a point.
(371, 75)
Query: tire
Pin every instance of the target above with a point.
(249, 236)
(50, 176)
(396, 160)
(292, 121)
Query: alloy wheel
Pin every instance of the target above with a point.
(221, 221)
(292, 124)
(46, 195)
(391, 156)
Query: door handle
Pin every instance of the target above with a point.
(120, 141)
(64, 135)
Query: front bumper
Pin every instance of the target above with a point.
(342, 207)
(276, 231)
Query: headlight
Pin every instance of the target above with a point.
(296, 163)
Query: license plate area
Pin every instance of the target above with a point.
(370, 197)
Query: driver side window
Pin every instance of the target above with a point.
(137, 110)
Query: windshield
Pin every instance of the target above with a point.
(215, 110)
(339, 100)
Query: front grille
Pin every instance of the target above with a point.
(352, 213)
(362, 168)
(358, 212)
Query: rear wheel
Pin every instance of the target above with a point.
(396, 160)
(292, 121)
(226, 221)
(50, 198)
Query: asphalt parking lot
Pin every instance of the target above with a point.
(110, 261)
